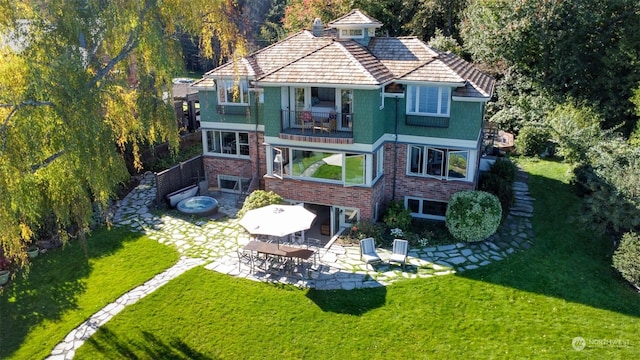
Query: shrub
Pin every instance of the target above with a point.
(626, 258)
(258, 199)
(473, 215)
(364, 229)
(498, 186)
(532, 140)
(504, 169)
(397, 216)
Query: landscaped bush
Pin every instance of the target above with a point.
(504, 169)
(626, 258)
(397, 216)
(499, 181)
(258, 199)
(532, 140)
(364, 229)
(473, 215)
(494, 184)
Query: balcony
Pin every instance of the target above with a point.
(317, 126)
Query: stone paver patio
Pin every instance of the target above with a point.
(217, 241)
(214, 243)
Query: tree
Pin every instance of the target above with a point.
(612, 181)
(576, 48)
(432, 15)
(300, 14)
(445, 43)
(575, 129)
(80, 82)
(271, 29)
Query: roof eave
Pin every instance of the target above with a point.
(439, 83)
(471, 98)
(337, 85)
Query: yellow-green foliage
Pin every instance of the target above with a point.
(258, 199)
(79, 83)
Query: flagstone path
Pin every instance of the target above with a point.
(215, 242)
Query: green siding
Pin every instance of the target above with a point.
(368, 119)
(465, 121)
(369, 122)
(208, 112)
(271, 111)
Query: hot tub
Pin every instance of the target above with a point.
(198, 205)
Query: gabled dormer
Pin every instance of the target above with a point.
(356, 26)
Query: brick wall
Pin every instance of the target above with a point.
(430, 188)
(328, 194)
(219, 165)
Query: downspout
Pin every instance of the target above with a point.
(395, 155)
(257, 174)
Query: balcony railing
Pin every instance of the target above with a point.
(327, 122)
(238, 110)
(428, 121)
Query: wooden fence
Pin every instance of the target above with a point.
(190, 172)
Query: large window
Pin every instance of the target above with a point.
(230, 143)
(438, 162)
(348, 169)
(233, 92)
(426, 208)
(428, 100)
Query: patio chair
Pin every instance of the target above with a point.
(245, 257)
(399, 253)
(368, 251)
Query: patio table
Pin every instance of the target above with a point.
(280, 251)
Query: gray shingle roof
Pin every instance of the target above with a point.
(305, 59)
(355, 17)
(336, 63)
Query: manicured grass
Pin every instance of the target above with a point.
(530, 305)
(65, 287)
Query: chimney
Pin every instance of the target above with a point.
(318, 28)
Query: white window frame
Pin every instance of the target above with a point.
(420, 213)
(351, 33)
(377, 162)
(423, 165)
(286, 169)
(413, 100)
(237, 179)
(278, 163)
(225, 84)
(222, 149)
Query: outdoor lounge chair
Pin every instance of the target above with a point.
(368, 251)
(399, 253)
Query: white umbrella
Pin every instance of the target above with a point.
(277, 220)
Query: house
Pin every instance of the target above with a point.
(345, 121)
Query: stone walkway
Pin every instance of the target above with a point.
(66, 349)
(215, 242)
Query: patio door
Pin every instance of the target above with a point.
(300, 98)
(347, 217)
(346, 110)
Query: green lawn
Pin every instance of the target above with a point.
(65, 287)
(530, 305)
